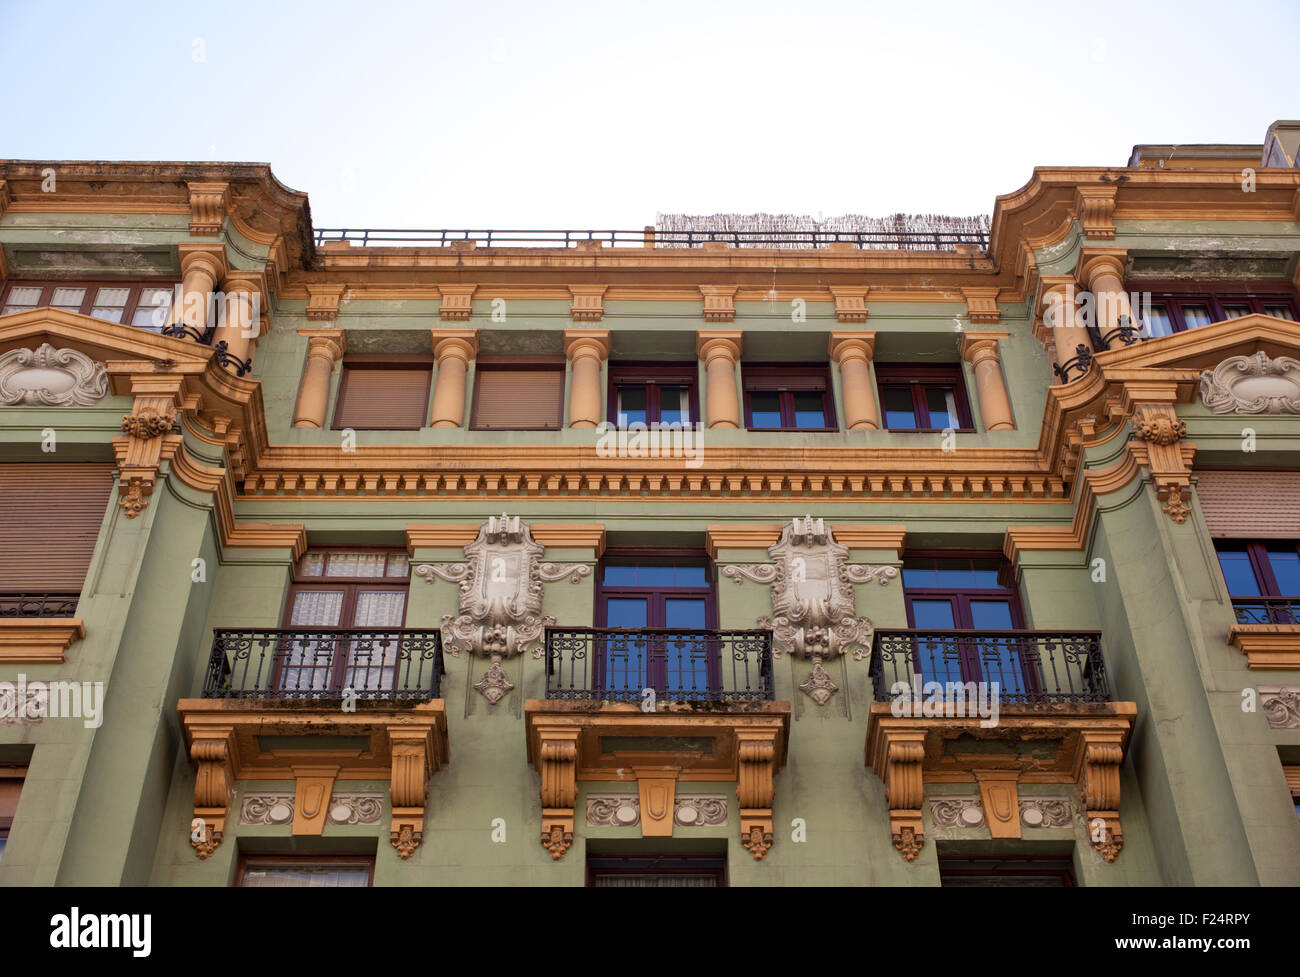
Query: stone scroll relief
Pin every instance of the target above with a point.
(49, 377)
(276, 807)
(813, 610)
(624, 811)
(1253, 384)
(501, 586)
(967, 812)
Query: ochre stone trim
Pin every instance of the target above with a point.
(457, 302)
(578, 535)
(1267, 646)
(440, 535)
(850, 302)
(982, 305)
(1094, 205)
(587, 305)
(38, 640)
(759, 536)
(323, 305)
(719, 303)
(209, 205)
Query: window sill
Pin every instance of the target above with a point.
(930, 430)
(1267, 646)
(38, 641)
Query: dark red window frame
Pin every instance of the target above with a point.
(377, 361)
(788, 379)
(656, 863)
(917, 379)
(1257, 551)
(246, 859)
(92, 286)
(652, 376)
(1007, 866)
(1171, 296)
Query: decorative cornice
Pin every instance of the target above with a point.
(209, 204)
(38, 640)
(1094, 205)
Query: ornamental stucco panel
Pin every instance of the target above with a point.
(501, 585)
(814, 614)
(49, 377)
(1253, 384)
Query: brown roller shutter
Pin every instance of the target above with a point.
(383, 399)
(519, 400)
(1292, 771)
(1250, 504)
(49, 521)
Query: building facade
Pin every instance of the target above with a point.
(888, 558)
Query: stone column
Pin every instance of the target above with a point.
(1061, 317)
(853, 352)
(720, 349)
(586, 349)
(1102, 273)
(240, 330)
(453, 349)
(202, 266)
(980, 350)
(324, 348)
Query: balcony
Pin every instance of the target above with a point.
(315, 706)
(657, 707)
(997, 709)
(1267, 630)
(38, 628)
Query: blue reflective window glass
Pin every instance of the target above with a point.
(1286, 571)
(900, 415)
(674, 405)
(933, 614)
(764, 410)
(631, 405)
(620, 576)
(1238, 573)
(942, 404)
(648, 575)
(691, 576)
(809, 410)
(920, 577)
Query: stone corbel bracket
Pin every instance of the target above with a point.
(209, 205)
(1102, 754)
(557, 762)
(1159, 447)
(755, 789)
(147, 439)
(414, 762)
(899, 765)
(214, 781)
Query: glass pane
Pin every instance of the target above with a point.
(620, 576)
(691, 576)
(955, 574)
(380, 609)
(674, 405)
(153, 311)
(626, 612)
(307, 876)
(987, 579)
(316, 608)
(68, 299)
(764, 410)
(309, 665)
(372, 663)
(991, 615)
(356, 565)
(1280, 312)
(1286, 570)
(111, 313)
(933, 615)
(684, 612)
(686, 657)
(10, 307)
(1238, 573)
(650, 575)
(942, 404)
(398, 566)
(1233, 310)
(1196, 315)
(631, 405)
(936, 661)
(313, 565)
(1157, 322)
(809, 410)
(899, 413)
(27, 296)
(111, 298)
(921, 576)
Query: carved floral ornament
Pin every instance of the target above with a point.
(814, 614)
(49, 377)
(501, 587)
(1253, 385)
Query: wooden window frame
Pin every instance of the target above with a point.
(653, 376)
(352, 587)
(786, 380)
(1171, 296)
(368, 361)
(489, 363)
(1059, 866)
(92, 285)
(718, 867)
(245, 858)
(917, 378)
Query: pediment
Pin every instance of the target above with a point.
(106, 342)
(1205, 348)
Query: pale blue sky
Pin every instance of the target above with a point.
(600, 114)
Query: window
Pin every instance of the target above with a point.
(795, 397)
(1035, 871)
(361, 589)
(1292, 772)
(1182, 307)
(11, 786)
(966, 593)
(131, 303)
(1267, 570)
(653, 871)
(41, 573)
(653, 393)
(384, 394)
(295, 871)
(666, 600)
(923, 398)
(518, 394)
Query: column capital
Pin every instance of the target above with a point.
(586, 342)
(976, 346)
(1096, 261)
(459, 343)
(711, 343)
(849, 345)
(209, 258)
(332, 341)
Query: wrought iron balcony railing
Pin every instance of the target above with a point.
(1028, 666)
(321, 664)
(13, 604)
(619, 665)
(904, 240)
(1266, 610)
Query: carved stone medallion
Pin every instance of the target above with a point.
(956, 812)
(1253, 384)
(814, 614)
(501, 586)
(1281, 707)
(49, 377)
